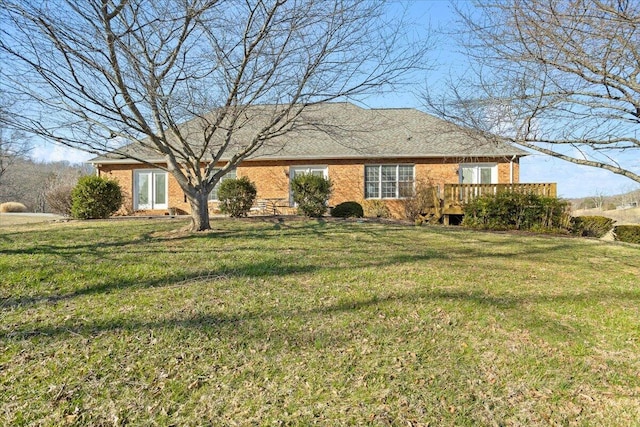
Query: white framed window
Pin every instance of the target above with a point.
(388, 181)
(150, 189)
(305, 170)
(213, 196)
(478, 173)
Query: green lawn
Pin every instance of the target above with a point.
(261, 322)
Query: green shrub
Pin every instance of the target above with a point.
(376, 208)
(628, 233)
(237, 196)
(95, 197)
(311, 193)
(348, 210)
(509, 210)
(591, 226)
(12, 207)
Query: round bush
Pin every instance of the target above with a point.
(95, 197)
(237, 196)
(311, 193)
(12, 207)
(348, 210)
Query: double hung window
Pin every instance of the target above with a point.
(388, 181)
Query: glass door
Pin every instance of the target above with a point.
(150, 190)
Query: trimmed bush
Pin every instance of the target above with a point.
(12, 207)
(628, 233)
(591, 226)
(311, 193)
(95, 197)
(376, 208)
(508, 210)
(237, 196)
(348, 210)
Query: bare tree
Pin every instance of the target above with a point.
(100, 72)
(558, 77)
(14, 145)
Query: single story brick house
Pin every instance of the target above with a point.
(366, 153)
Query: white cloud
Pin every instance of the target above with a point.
(47, 152)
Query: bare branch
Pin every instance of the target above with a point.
(558, 77)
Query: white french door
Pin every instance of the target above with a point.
(481, 173)
(150, 190)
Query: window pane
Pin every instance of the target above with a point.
(160, 188)
(405, 173)
(371, 182)
(388, 190)
(405, 189)
(372, 190)
(388, 173)
(467, 175)
(485, 175)
(372, 173)
(143, 188)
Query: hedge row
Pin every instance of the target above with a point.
(628, 233)
(517, 211)
(591, 226)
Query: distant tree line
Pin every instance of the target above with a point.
(34, 183)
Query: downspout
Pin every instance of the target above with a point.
(511, 169)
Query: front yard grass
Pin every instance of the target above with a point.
(299, 322)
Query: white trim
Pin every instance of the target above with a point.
(151, 191)
(476, 174)
(397, 181)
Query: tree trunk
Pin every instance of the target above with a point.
(199, 211)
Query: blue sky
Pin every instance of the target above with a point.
(573, 180)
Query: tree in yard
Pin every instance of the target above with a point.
(13, 145)
(558, 77)
(100, 72)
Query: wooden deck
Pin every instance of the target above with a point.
(455, 196)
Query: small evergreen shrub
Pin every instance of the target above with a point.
(628, 233)
(348, 210)
(95, 197)
(236, 196)
(509, 210)
(376, 208)
(12, 207)
(591, 226)
(311, 193)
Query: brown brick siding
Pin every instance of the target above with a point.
(272, 179)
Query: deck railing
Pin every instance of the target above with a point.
(459, 194)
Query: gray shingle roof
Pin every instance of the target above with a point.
(346, 131)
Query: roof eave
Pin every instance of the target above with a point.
(313, 158)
